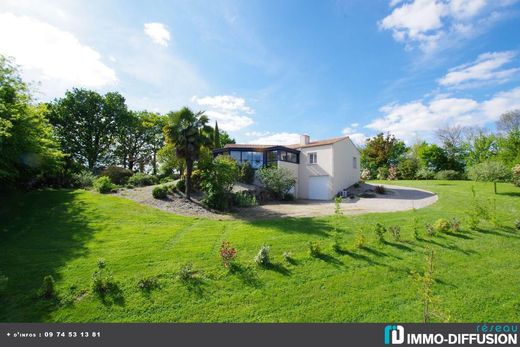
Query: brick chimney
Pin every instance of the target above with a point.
(304, 139)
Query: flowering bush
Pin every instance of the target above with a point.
(227, 254)
(516, 175)
(392, 173)
(366, 175)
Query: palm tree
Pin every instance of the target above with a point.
(187, 132)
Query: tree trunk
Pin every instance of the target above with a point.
(495, 187)
(189, 169)
(154, 163)
(130, 165)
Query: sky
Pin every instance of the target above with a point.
(269, 71)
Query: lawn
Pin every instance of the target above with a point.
(63, 233)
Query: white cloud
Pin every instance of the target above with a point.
(283, 138)
(257, 133)
(426, 22)
(486, 68)
(158, 33)
(55, 56)
(419, 119)
(227, 110)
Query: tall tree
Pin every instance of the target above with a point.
(187, 132)
(382, 151)
(28, 149)
(87, 123)
(452, 140)
(216, 137)
(508, 122)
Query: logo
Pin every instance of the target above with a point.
(394, 334)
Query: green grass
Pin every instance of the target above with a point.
(64, 233)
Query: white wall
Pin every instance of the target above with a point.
(345, 174)
(324, 166)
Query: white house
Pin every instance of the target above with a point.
(322, 168)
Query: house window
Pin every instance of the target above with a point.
(354, 162)
(313, 158)
(235, 155)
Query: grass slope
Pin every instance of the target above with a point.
(63, 234)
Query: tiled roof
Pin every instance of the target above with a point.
(247, 145)
(319, 143)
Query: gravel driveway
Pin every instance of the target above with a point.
(396, 198)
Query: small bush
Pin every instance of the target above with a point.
(165, 180)
(84, 179)
(117, 175)
(262, 258)
(360, 241)
(407, 168)
(455, 224)
(366, 175)
(395, 230)
(246, 173)
(102, 281)
(277, 180)
(47, 289)
(382, 173)
(186, 272)
(104, 185)
(288, 197)
(515, 175)
(244, 199)
(196, 180)
(314, 249)
(442, 225)
(517, 224)
(142, 180)
(147, 283)
(448, 175)
(336, 245)
(380, 189)
(489, 171)
(380, 231)
(287, 256)
(392, 173)
(228, 254)
(424, 174)
(181, 185)
(430, 230)
(160, 192)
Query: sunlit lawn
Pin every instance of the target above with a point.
(63, 233)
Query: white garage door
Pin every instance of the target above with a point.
(319, 188)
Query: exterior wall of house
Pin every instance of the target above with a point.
(293, 167)
(345, 174)
(323, 167)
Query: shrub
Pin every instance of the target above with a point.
(117, 175)
(165, 180)
(186, 272)
(287, 256)
(181, 185)
(102, 281)
(147, 283)
(160, 192)
(407, 169)
(142, 180)
(104, 185)
(47, 289)
(84, 179)
(517, 224)
(424, 174)
(288, 197)
(360, 241)
(228, 254)
(382, 173)
(448, 175)
(395, 230)
(366, 175)
(430, 230)
(262, 258)
(196, 180)
(515, 175)
(314, 249)
(392, 173)
(336, 244)
(442, 225)
(489, 171)
(455, 225)
(380, 231)
(246, 173)
(218, 182)
(277, 180)
(380, 189)
(244, 199)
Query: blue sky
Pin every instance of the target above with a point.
(270, 70)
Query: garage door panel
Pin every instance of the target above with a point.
(319, 187)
